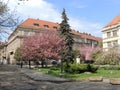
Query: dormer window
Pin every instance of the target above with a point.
(36, 24)
(54, 27)
(46, 26)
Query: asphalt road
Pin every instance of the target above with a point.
(12, 79)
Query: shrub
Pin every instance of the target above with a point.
(91, 68)
(80, 68)
(54, 68)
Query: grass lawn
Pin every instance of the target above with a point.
(99, 73)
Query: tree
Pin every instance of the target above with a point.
(7, 20)
(67, 53)
(18, 56)
(42, 46)
(112, 57)
(87, 51)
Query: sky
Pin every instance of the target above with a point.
(88, 16)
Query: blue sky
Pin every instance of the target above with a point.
(84, 15)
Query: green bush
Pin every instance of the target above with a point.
(80, 68)
(54, 68)
(92, 68)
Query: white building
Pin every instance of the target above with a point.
(111, 34)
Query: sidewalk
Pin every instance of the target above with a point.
(39, 76)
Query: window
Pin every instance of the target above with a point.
(11, 53)
(95, 42)
(26, 33)
(36, 32)
(115, 33)
(55, 28)
(108, 34)
(115, 43)
(36, 24)
(109, 44)
(46, 26)
(88, 41)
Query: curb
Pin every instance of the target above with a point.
(115, 81)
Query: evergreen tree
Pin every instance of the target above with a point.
(18, 55)
(67, 53)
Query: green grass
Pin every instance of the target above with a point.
(99, 73)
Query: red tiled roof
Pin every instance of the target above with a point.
(89, 36)
(116, 20)
(30, 23)
(75, 32)
(36, 23)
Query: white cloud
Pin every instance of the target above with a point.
(35, 9)
(46, 11)
(85, 26)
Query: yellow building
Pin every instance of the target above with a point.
(32, 26)
(111, 34)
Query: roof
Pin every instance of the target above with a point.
(115, 21)
(89, 36)
(39, 24)
(75, 32)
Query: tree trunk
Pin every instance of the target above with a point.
(61, 66)
(46, 63)
(21, 64)
(29, 64)
(42, 63)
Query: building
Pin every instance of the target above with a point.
(3, 49)
(32, 26)
(111, 34)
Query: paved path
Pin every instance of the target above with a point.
(38, 76)
(11, 78)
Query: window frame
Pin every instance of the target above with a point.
(114, 33)
(109, 44)
(108, 34)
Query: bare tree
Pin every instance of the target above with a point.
(8, 19)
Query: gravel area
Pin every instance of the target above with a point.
(11, 78)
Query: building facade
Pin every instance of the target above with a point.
(3, 49)
(111, 34)
(31, 26)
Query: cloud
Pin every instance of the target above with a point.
(35, 9)
(46, 11)
(86, 26)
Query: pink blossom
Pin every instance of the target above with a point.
(42, 46)
(87, 50)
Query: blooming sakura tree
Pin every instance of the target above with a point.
(87, 51)
(42, 46)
